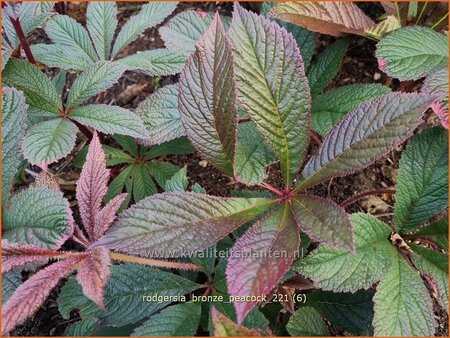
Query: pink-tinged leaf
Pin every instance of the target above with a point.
(92, 185)
(271, 86)
(107, 215)
(332, 227)
(94, 273)
(29, 296)
(441, 112)
(436, 83)
(382, 64)
(207, 100)
(327, 17)
(16, 255)
(179, 223)
(261, 257)
(365, 134)
(225, 327)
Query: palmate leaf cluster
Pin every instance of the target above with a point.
(250, 94)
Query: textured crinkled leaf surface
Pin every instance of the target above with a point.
(14, 112)
(30, 295)
(97, 78)
(49, 141)
(207, 99)
(434, 264)
(63, 57)
(378, 31)
(157, 62)
(252, 268)
(252, 155)
(110, 120)
(411, 52)
(10, 282)
(271, 85)
(37, 87)
(178, 182)
(67, 32)
(422, 185)
(124, 293)
(176, 224)
(181, 32)
(351, 312)
(307, 321)
(101, 22)
(366, 133)
(306, 39)
(341, 270)
(28, 220)
(161, 115)
(332, 227)
(176, 320)
(330, 107)
(327, 66)
(403, 306)
(85, 327)
(225, 327)
(150, 15)
(334, 18)
(436, 83)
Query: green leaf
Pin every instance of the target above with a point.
(252, 155)
(124, 302)
(207, 100)
(161, 115)
(329, 108)
(422, 185)
(178, 182)
(113, 156)
(156, 62)
(151, 14)
(176, 320)
(178, 146)
(198, 188)
(116, 186)
(411, 52)
(14, 113)
(128, 143)
(437, 232)
(403, 306)
(179, 224)
(332, 227)
(110, 120)
(101, 22)
(307, 322)
(95, 79)
(365, 134)
(351, 312)
(37, 87)
(10, 282)
(334, 18)
(271, 86)
(435, 264)
(63, 57)
(143, 185)
(67, 32)
(85, 327)
(327, 66)
(162, 172)
(49, 141)
(340, 270)
(38, 216)
(306, 39)
(59, 81)
(6, 54)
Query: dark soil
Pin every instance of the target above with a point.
(359, 66)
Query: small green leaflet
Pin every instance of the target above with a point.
(157, 62)
(329, 108)
(178, 182)
(403, 306)
(27, 220)
(307, 321)
(271, 86)
(63, 57)
(340, 270)
(411, 52)
(176, 320)
(101, 22)
(422, 185)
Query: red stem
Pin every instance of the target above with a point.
(22, 38)
(273, 189)
(314, 137)
(83, 129)
(353, 199)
